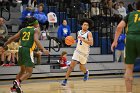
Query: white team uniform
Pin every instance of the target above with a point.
(82, 49)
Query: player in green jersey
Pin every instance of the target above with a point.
(28, 40)
(132, 22)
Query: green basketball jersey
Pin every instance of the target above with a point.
(133, 22)
(27, 37)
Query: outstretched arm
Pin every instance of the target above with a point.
(16, 36)
(39, 45)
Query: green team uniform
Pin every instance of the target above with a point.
(27, 45)
(132, 37)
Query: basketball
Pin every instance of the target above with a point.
(69, 40)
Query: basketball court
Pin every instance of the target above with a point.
(100, 84)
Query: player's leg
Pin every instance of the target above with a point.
(75, 58)
(82, 68)
(129, 77)
(16, 83)
(22, 71)
(24, 76)
(26, 62)
(70, 68)
(85, 71)
(28, 73)
(83, 61)
(131, 54)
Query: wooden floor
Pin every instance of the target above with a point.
(75, 85)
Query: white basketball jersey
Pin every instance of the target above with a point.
(82, 46)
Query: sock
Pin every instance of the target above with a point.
(14, 87)
(20, 81)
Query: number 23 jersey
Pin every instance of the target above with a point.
(27, 37)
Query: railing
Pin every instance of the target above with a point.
(74, 11)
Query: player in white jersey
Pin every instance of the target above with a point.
(85, 40)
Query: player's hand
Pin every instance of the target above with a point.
(39, 52)
(46, 51)
(114, 44)
(81, 38)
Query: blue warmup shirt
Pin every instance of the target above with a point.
(63, 31)
(40, 16)
(121, 42)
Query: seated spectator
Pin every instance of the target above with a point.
(11, 54)
(26, 13)
(94, 10)
(105, 4)
(119, 50)
(63, 32)
(122, 9)
(13, 48)
(7, 58)
(3, 30)
(63, 60)
(117, 17)
(41, 17)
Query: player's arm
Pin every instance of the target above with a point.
(39, 45)
(90, 39)
(119, 30)
(16, 36)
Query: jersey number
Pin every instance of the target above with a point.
(26, 36)
(137, 18)
(80, 42)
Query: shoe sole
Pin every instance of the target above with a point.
(63, 84)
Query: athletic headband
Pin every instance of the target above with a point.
(35, 22)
